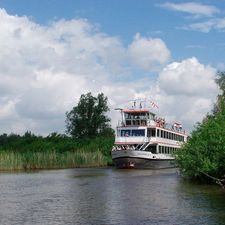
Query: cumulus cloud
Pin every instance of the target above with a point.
(192, 8)
(45, 69)
(148, 53)
(190, 88)
(188, 77)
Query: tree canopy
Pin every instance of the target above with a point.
(203, 155)
(88, 118)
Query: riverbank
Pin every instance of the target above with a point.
(29, 152)
(10, 161)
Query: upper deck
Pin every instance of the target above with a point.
(137, 117)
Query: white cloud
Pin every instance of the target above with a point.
(45, 69)
(7, 109)
(188, 77)
(148, 53)
(189, 88)
(199, 10)
(192, 8)
(206, 26)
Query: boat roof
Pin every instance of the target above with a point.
(135, 110)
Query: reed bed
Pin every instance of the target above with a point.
(12, 160)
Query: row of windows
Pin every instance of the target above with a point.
(150, 133)
(142, 115)
(134, 133)
(136, 115)
(169, 135)
(136, 122)
(166, 150)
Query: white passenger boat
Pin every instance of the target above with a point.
(144, 141)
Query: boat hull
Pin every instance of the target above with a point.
(140, 163)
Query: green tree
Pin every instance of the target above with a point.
(88, 118)
(221, 97)
(221, 81)
(203, 156)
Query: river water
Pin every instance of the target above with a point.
(108, 196)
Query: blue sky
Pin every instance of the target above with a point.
(168, 51)
(125, 18)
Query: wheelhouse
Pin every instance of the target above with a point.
(139, 117)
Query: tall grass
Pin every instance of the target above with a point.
(11, 160)
(54, 151)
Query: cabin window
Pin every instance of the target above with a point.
(134, 133)
(125, 133)
(152, 149)
(138, 132)
(151, 116)
(151, 132)
(136, 119)
(143, 123)
(160, 149)
(167, 135)
(163, 149)
(167, 150)
(128, 122)
(144, 116)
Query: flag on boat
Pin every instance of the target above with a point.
(153, 104)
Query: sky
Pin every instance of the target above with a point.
(51, 52)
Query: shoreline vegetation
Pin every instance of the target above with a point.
(56, 151)
(89, 142)
(202, 157)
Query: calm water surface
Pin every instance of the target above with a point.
(108, 196)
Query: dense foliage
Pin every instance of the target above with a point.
(203, 156)
(88, 118)
(54, 151)
(89, 144)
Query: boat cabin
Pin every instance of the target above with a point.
(140, 117)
